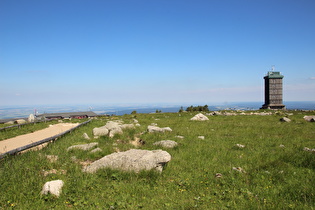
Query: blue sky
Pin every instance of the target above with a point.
(154, 51)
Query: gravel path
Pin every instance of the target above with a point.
(22, 140)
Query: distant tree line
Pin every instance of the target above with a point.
(204, 108)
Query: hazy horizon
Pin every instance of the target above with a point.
(140, 51)
(7, 112)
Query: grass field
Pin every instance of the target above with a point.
(272, 177)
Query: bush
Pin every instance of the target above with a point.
(198, 108)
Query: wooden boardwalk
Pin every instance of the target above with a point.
(30, 138)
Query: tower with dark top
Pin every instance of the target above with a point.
(273, 91)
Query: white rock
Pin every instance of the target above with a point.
(96, 150)
(180, 137)
(52, 187)
(131, 160)
(101, 131)
(201, 137)
(31, 118)
(199, 117)
(9, 122)
(111, 125)
(115, 131)
(83, 146)
(166, 143)
(152, 129)
(285, 119)
(20, 121)
(240, 146)
(309, 118)
(127, 126)
(86, 136)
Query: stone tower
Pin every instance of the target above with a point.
(273, 91)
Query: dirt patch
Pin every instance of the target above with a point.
(23, 140)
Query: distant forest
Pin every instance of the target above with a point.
(204, 108)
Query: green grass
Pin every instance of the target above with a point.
(275, 178)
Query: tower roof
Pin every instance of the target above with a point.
(274, 75)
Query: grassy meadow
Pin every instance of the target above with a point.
(272, 177)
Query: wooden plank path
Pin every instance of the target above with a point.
(27, 141)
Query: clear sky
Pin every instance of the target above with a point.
(154, 51)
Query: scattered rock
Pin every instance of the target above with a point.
(83, 146)
(113, 132)
(31, 118)
(54, 171)
(20, 121)
(111, 125)
(218, 175)
(201, 137)
(282, 146)
(180, 137)
(152, 129)
(309, 118)
(52, 158)
(240, 146)
(96, 150)
(285, 119)
(216, 113)
(9, 122)
(52, 187)
(112, 128)
(199, 117)
(85, 136)
(132, 160)
(101, 131)
(127, 126)
(239, 169)
(166, 143)
(309, 150)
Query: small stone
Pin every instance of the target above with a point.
(201, 137)
(31, 118)
(152, 129)
(180, 137)
(285, 119)
(199, 117)
(96, 150)
(85, 136)
(218, 175)
(52, 187)
(83, 146)
(239, 169)
(166, 143)
(240, 146)
(20, 121)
